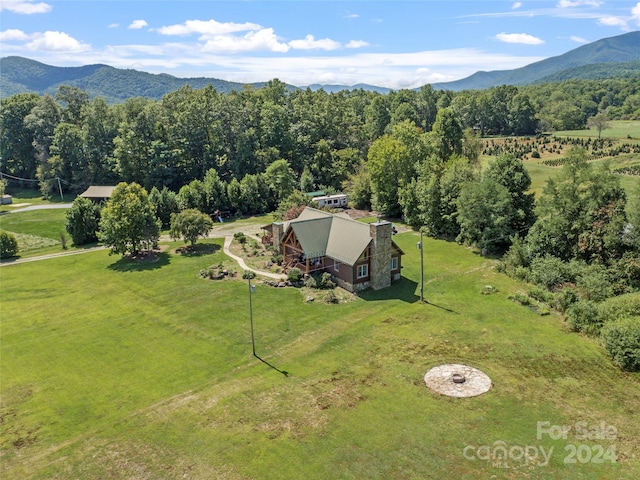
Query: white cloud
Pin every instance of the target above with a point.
(352, 15)
(310, 43)
(614, 22)
(207, 29)
(137, 24)
(579, 3)
(13, 34)
(264, 39)
(578, 39)
(24, 7)
(357, 44)
(523, 38)
(635, 13)
(516, 5)
(56, 42)
(113, 25)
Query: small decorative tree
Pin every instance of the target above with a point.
(8, 245)
(189, 225)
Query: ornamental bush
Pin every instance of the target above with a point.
(583, 316)
(8, 245)
(294, 275)
(622, 342)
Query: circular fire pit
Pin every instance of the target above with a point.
(455, 380)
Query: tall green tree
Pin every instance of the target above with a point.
(280, 179)
(165, 203)
(128, 223)
(447, 134)
(17, 152)
(581, 213)
(486, 216)
(511, 173)
(73, 100)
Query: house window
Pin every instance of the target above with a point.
(363, 271)
(336, 266)
(394, 263)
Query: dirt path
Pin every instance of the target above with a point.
(18, 261)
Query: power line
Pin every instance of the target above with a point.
(12, 177)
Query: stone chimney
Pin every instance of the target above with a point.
(277, 230)
(380, 264)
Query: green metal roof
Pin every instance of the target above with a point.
(336, 236)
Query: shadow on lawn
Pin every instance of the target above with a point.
(404, 289)
(141, 263)
(198, 249)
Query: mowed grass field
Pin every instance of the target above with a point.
(112, 369)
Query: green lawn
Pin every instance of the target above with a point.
(627, 130)
(37, 231)
(112, 369)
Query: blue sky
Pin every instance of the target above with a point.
(396, 44)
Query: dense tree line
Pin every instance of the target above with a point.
(326, 139)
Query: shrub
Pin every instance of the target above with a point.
(622, 342)
(583, 316)
(520, 298)
(277, 259)
(619, 307)
(310, 282)
(326, 282)
(540, 294)
(240, 237)
(595, 283)
(548, 271)
(331, 298)
(535, 154)
(564, 298)
(294, 275)
(8, 245)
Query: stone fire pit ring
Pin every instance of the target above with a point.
(457, 380)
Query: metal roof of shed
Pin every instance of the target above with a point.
(97, 191)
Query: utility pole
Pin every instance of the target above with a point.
(249, 275)
(421, 267)
(60, 188)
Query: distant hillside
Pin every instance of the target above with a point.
(338, 88)
(606, 58)
(19, 75)
(623, 49)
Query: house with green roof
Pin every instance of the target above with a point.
(356, 254)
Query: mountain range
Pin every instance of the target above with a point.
(605, 58)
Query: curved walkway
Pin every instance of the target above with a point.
(227, 243)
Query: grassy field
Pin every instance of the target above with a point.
(620, 131)
(113, 369)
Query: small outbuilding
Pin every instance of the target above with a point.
(97, 193)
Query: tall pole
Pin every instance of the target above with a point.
(421, 268)
(60, 188)
(253, 343)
